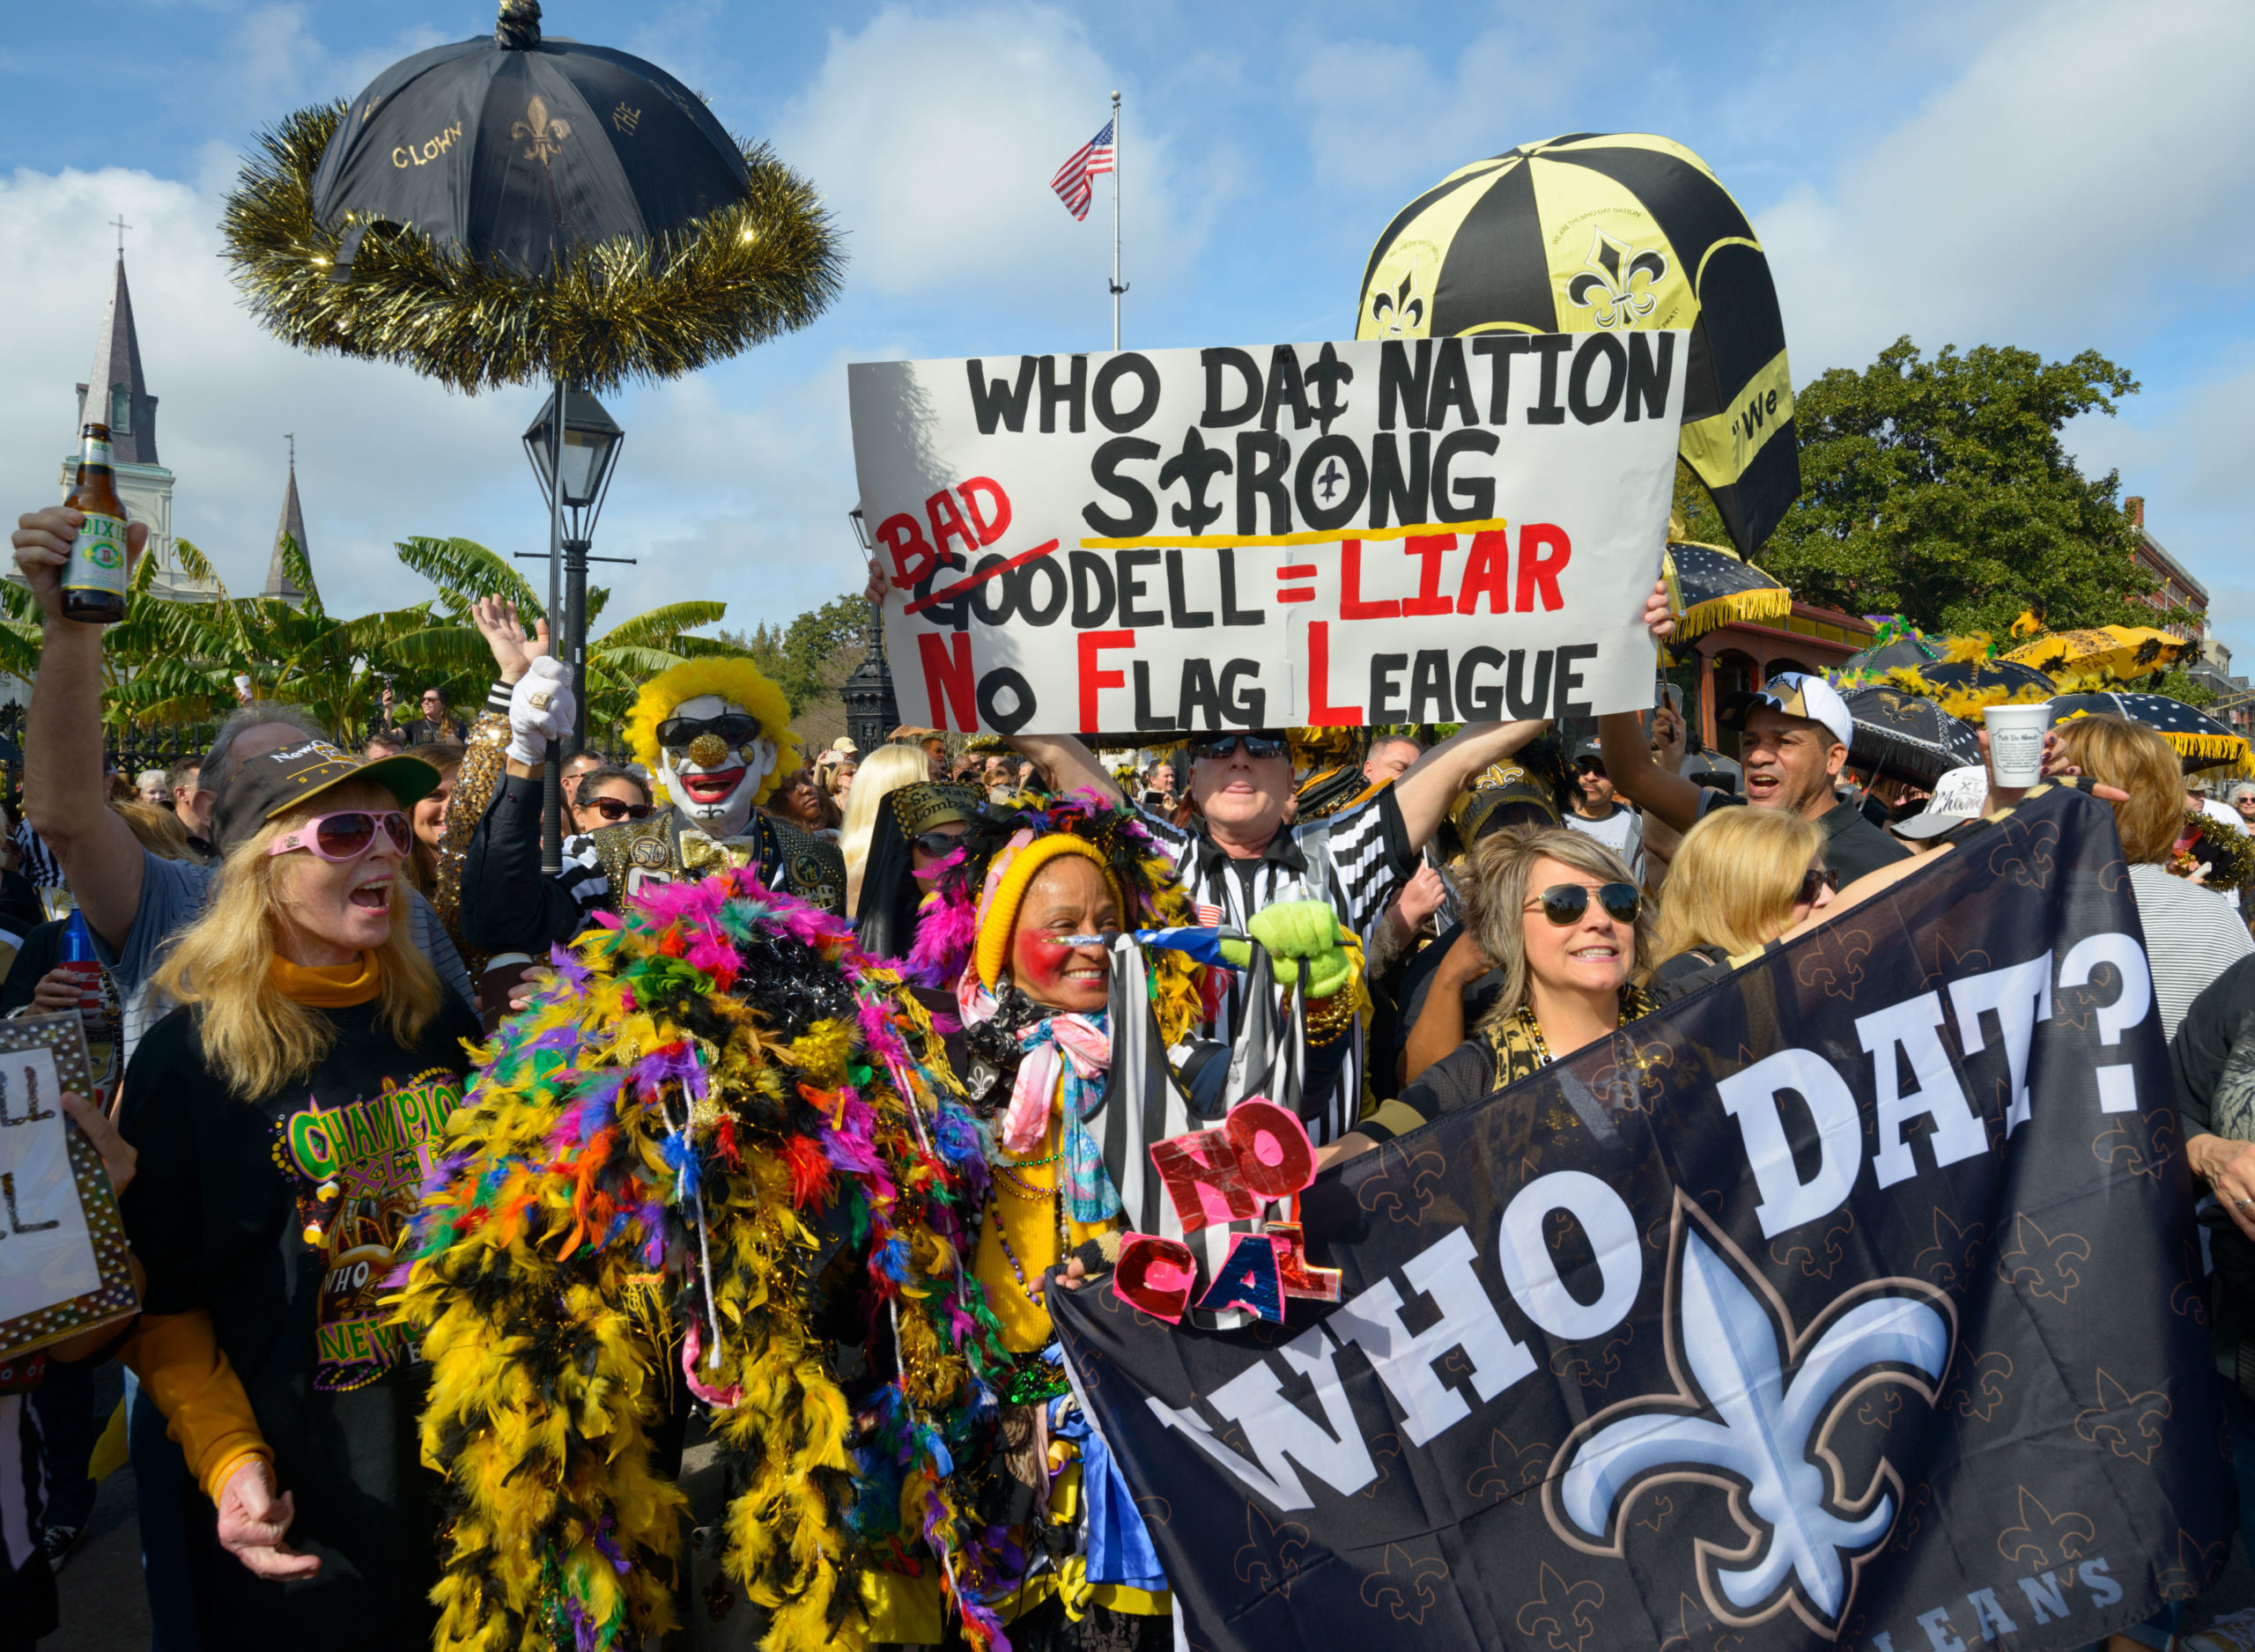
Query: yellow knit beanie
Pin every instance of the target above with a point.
(998, 912)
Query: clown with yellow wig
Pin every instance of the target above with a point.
(716, 734)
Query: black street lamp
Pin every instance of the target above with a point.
(872, 711)
(583, 452)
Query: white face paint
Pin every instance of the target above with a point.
(712, 788)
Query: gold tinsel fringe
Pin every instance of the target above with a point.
(612, 312)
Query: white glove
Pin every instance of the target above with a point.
(540, 709)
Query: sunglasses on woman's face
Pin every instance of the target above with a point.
(613, 808)
(936, 844)
(1815, 878)
(1260, 745)
(346, 835)
(1565, 904)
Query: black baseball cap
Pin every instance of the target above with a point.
(274, 781)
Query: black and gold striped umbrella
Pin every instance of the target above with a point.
(1616, 231)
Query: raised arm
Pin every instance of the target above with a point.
(1070, 765)
(1668, 798)
(65, 798)
(1428, 786)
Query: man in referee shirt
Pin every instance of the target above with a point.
(1240, 854)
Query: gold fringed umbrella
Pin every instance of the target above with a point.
(2121, 651)
(518, 209)
(1709, 587)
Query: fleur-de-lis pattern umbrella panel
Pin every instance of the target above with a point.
(514, 209)
(1609, 231)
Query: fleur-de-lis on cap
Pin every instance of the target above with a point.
(543, 137)
(1610, 285)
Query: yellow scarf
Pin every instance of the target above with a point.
(328, 986)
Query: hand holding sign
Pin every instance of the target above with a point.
(65, 1267)
(1429, 530)
(1262, 1152)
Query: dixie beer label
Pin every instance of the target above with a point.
(98, 556)
(97, 452)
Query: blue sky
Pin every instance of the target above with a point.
(2061, 176)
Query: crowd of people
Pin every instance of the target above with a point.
(290, 931)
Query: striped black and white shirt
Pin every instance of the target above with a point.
(2192, 935)
(1357, 860)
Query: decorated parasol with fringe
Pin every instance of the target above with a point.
(1902, 736)
(2200, 739)
(2112, 650)
(515, 209)
(1964, 680)
(1710, 587)
(1895, 643)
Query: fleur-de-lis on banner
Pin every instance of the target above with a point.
(543, 137)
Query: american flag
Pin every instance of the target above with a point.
(1071, 182)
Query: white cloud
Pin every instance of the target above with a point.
(1377, 110)
(2084, 179)
(934, 141)
(375, 443)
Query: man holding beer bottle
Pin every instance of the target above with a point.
(93, 583)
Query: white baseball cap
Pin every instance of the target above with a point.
(1796, 694)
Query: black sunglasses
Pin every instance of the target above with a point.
(1812, 881)
(1262, 743)
(734, 729)
(936, 844)
(1564, 903)
(612, 809)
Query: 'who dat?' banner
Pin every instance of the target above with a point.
(1421, 530)
(1853, 1300)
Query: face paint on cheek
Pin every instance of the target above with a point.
(1038, 962)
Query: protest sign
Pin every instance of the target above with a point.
(1426, 530)
(1854, 1298)
(63, 1251)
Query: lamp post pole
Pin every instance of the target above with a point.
(551, 783)
(573, 446)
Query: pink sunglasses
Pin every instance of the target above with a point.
(346, 835)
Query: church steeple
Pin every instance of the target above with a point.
(115, 394)
(292, 526)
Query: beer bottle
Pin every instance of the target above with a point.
(94, 584)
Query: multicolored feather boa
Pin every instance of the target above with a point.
(723, 1092)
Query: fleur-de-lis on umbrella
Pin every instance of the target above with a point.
(1610, 285)
(1398, 313)
(543, 137)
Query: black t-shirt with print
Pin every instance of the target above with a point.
(220, 1214)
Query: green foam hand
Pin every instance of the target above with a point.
(1299, 931)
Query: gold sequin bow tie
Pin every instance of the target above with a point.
(700, 854)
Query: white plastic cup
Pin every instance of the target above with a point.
(2016, 742)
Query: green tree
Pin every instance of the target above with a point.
(1939, 490)
(619, 659)
(802, 656)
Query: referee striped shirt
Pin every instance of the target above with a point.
(1357, 860)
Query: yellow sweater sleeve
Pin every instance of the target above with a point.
(178, 1359)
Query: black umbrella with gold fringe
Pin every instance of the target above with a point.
(1711, 586)
(1612, 231)
(517, 210)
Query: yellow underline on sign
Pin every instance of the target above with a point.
(1228, 541)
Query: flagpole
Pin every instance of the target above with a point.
(1116, 288)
